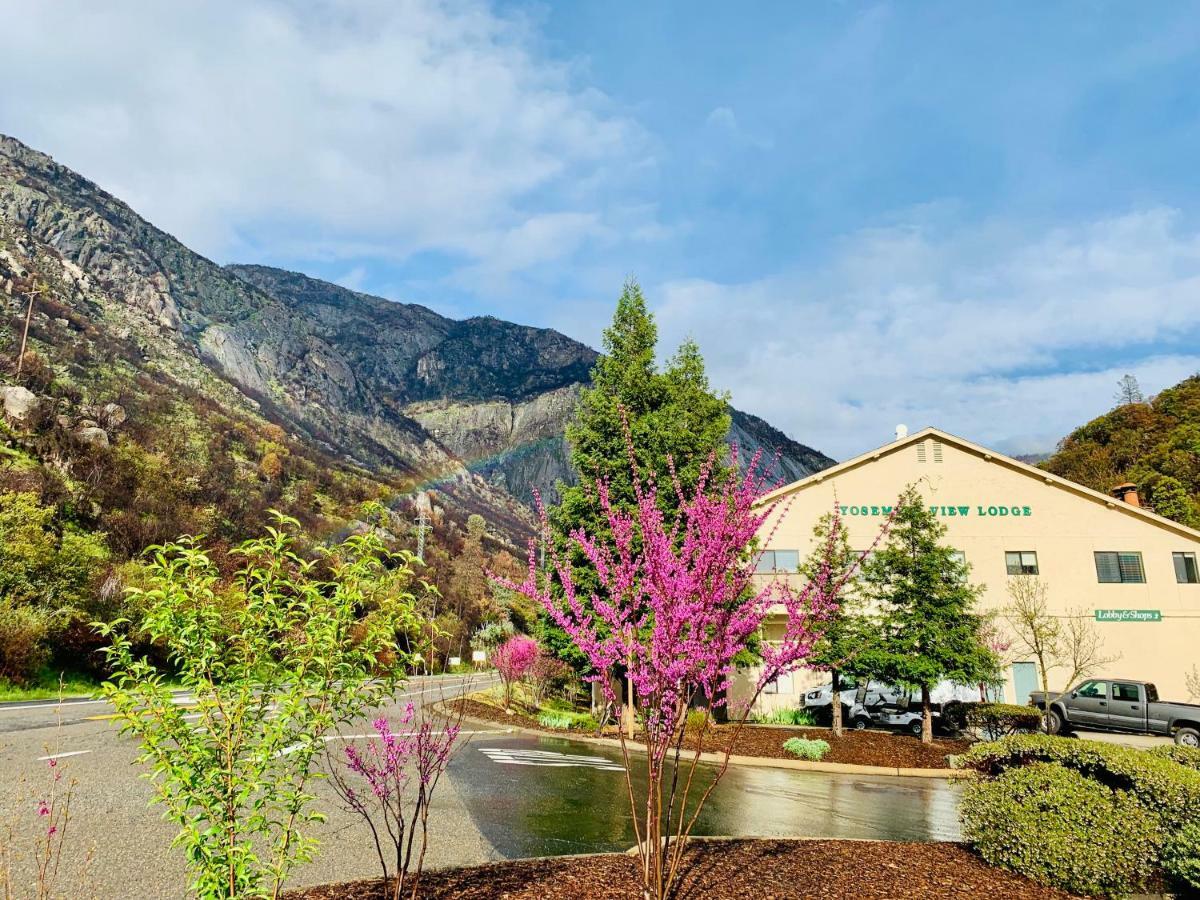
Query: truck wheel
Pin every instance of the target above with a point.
(1188, 737)
(1054, 722)
(916, 727)
(860, 723)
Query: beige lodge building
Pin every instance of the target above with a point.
(1133, 572)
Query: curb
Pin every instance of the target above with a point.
(761, 762)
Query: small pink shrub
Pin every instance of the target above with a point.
(513, 659)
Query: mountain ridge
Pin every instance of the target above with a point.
(475, 406)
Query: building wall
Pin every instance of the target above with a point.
(991, 505)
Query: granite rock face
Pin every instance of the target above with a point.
(477, 407)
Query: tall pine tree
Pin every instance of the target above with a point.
(929, 628)
(672, 413)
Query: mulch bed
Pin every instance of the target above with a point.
(858, 748)
(518, 719)
(731, 870)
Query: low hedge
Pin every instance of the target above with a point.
(1064, 830)
(997, 720)
(1161, 782)
(1185, 756)
(804, 748)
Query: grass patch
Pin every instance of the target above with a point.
(48, 688)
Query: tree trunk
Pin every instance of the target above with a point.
(835, 699)
(627, 713)
(1045, 698)
(926, 716)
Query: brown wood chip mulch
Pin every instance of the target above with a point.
(731, 870)
(858, 748)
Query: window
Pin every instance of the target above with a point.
(1123, 567)
(959, 557)
(779, 561)
(781, 684)
(1126, 692)
(1185, 568)
(1095, 690)
(1021, 562)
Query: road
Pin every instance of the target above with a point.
(126, 845)
(506, 795)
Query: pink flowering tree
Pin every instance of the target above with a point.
(677, 603)
(513, 659)
(390, 784)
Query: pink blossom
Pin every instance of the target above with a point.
(513, 660)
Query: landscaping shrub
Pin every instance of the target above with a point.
(997, 720)
(812, 750)
(699, 720)
(954, 715)
(787, 717)
(1063, 829)
(565, 719)
(1185, 756)
(1163, 787)
(1181, 856)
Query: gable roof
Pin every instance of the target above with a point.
(991, 456)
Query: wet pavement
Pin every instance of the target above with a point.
(542, 796)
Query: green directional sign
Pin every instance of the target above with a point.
(1128, 615)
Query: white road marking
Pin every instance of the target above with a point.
(516, 757)
(63, 755)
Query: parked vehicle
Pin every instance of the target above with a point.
(1130, 707)
(866, 693)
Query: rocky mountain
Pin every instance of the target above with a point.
(494, 394)
(476, 408)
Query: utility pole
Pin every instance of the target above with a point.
(31, 293)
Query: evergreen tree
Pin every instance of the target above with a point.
(930, 630)
(672, 413)
(847, 634)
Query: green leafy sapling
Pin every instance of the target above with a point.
(273, 661)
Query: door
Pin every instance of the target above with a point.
(1025, 680)
(1088, 704)
(1127, 708)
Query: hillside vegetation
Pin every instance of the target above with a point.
(1154, 444)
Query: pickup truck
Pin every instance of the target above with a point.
(1117, 705)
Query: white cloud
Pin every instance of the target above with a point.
(1005, 339)
(380, 128)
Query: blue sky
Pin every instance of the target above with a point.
(977, 216)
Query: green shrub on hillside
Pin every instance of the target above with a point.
(23, 633)
(49, 576)
(813, 750)
(1062, 829)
